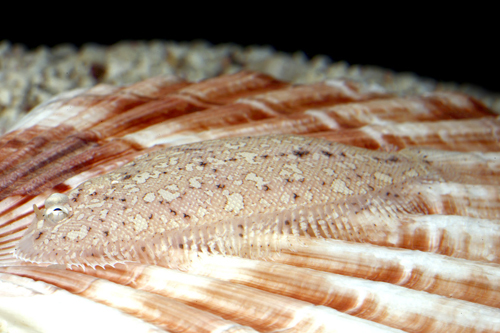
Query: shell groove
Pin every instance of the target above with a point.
(413, 245)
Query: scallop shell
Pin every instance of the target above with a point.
(432, 272)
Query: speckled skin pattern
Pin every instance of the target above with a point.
(236, 196)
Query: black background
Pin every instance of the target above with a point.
(447, 46)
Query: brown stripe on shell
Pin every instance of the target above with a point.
(437, 274)
(251, 116)
(25, 297)
(458, 135)
(161, 311)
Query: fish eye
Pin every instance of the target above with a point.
(55, 209)
(57, 213)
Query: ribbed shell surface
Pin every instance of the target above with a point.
(406, 239)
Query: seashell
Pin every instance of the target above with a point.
(412, 245)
